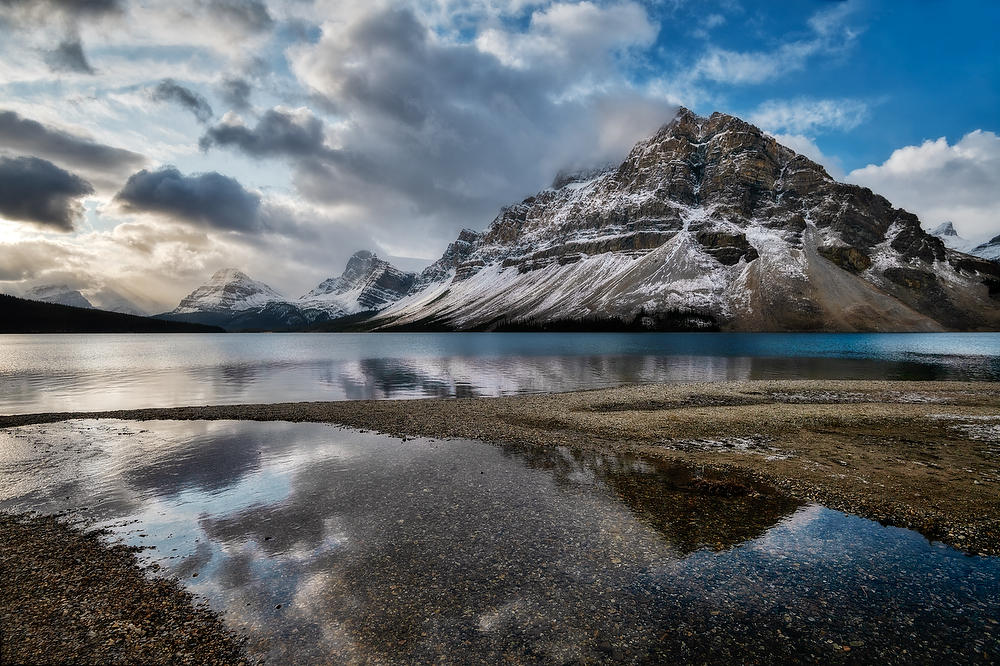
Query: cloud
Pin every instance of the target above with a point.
(428, 135)
(236, 93)
(250, 15)
(828, 35)
(98, 161)
(805, 115)
(169, 90)
(572, 34)
(68, 57)
(37, 191)
(45, 11)
(279, 132)
(940, 181)
(207, 199)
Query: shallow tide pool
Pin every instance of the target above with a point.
(324, 543)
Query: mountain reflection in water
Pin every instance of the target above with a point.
(378, 549)
(102, 372)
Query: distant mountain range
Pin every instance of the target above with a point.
(709, 224)
(988, 250)
(62, 294)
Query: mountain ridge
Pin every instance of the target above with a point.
(708, 224)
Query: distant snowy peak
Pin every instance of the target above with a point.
(988, 250)
(949, 236)
(367, 283)
(58, 293)
(228, 290)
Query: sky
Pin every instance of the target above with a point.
(145, 144)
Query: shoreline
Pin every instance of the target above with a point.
(920, 455)
(69, 596)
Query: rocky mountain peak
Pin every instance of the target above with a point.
(709, 216)
(228, 290)
(944, 229)
(367, 283)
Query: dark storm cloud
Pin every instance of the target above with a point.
(169, 90)
(68, 57)
(30, 136)
(206, 199)
(236, 93)
(278, 133)
(77, 8)
(36, 190)
(251, 15)
(439, 130)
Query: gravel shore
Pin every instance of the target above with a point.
(69, 597)
(923, 455)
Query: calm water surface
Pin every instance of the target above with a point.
(40, 373)
(382, 550)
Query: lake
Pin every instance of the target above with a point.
(40, 373)
(327, 544)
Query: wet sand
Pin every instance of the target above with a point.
(923, 455)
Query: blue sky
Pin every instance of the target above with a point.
(280, 136)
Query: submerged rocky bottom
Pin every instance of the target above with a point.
(68, 597)
(329, 544)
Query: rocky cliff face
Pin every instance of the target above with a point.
(367, 283)
(713, 219)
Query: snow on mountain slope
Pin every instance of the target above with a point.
(58, 293)
(367, 283)
(713, 220)
(988, 250)
(949, 236)
(228, 290)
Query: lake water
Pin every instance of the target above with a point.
(40, 373)
(332, 545)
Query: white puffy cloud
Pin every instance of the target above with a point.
(940, 181)
(571, 35)
(804, 115)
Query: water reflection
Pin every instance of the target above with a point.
(377, 549)
(82, 373)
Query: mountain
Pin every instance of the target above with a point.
(710, 223)
(228, 290)
(234, 301)
(29, 316)
(58, 293)
(988, 250)
(367, 283)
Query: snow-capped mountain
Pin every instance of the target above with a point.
(228, 290)
(709, 223)
(235, 301)
(58, 293)
(988, 250)
(367, 283)
(949, 236)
